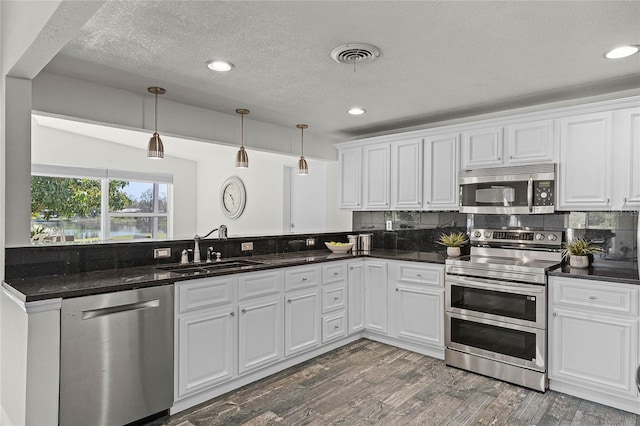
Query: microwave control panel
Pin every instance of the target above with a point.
(543, 193)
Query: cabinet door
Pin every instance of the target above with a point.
(355, 282)
(626, 174)
(260, 329)
(375, 293)
(376, 177)
(350, 162)
(530, 143)
(594, 351)
(302, 321)
(482, 148)
(442, 163)
(406, 174)
(585, 162)
(417, 315)
(205, 349)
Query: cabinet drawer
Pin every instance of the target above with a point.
(598, 296)
(333, 298)
(334, 327)
(335, 272)
(416, 274)
(259, 284)
(295, 278)
(198, 294)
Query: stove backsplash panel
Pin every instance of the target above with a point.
(615, 232)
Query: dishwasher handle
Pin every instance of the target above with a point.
(138, 306)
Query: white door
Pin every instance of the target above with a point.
(530, 142)
(259, 333)
(406, 174)
(350, 160)
(376, 184)
(355, 281)
(442, 163)
(375, 294)
(482, 148)
(418, 314)
(305, 199)
(302, 321)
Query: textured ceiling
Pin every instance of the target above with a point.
(439, 60)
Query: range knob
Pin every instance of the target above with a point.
(487, 234)
(477, 234)
(539, 237)
(552, 237)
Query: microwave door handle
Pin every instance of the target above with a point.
(530, 194)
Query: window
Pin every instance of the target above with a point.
(90, 205)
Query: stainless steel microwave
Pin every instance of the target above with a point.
(526, 189)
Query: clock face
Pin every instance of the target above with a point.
(232, 197)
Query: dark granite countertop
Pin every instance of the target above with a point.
(616, 275)
(106, 281)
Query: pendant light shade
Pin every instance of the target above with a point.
(242, 159)
(303, 167)
(155, 148)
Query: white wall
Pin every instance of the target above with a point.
(52, 146)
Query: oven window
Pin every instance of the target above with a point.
(494, 302)
(515, 343)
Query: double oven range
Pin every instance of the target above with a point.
(496, 305)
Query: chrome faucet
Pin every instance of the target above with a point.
(222, 234)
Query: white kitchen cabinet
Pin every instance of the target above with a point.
(350, 163)
(593, 340)
(206, 349)
(531, 142)
(441, 166)
(482, 148)
(406, 174)
(302, 319)
(585, 178)
(355, 283)
(260, 330)
(375, 295)
(416, 308)
(376, 181)
(205, 330)
(626, 146)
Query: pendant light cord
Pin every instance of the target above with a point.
(156, 114)
(242, 129)
(302, 141)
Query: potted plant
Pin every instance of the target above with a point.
(453, 241)
(578, 251)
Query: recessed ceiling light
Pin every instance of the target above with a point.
(357, 111)
(218, 65)
(622, 52)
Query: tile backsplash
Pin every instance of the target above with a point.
(615, 232)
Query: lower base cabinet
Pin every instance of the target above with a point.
(375, 296)
(302, 321)
(260, 330)
(417, 315)
(355, 299)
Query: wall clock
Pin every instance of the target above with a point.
(233, 197)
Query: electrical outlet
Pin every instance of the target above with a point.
(389, 225)
(311, 242)
(161, 253)
(246, 246)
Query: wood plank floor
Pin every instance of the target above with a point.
(366, 383)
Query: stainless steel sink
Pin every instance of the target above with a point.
(207, 267)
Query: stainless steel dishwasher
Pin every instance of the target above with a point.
(116, 356)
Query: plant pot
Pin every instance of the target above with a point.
(579, 261)
(453, 251)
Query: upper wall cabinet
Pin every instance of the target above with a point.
(350, 162)
(441, 166)
(406, 174)
(522, 143)
(376, 182)
(585, 181)
(626, 153)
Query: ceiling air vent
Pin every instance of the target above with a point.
(355, 53)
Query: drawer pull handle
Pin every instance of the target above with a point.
(336, 298)
(336, 273)
(336, 327)
(233, 314)
(304, 278)
(592, 298)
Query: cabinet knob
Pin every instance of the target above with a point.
(592, 298)
(233, 314)
(336, 273)
(555, 315)
(397, 289)
(336, 298)
(304, 278)
(418, 275)
(624, 200)
(336, 327)
(244, 311)
(607, 201)
(288, 300)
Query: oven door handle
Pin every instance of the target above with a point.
(496, 285)
(530, 194)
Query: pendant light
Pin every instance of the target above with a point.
(242, 159)
(155, 149)
(303, 167)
